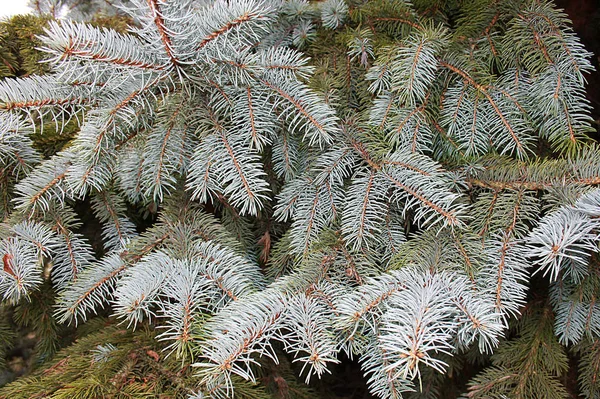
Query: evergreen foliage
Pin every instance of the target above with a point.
(408, 184)
(18, 55)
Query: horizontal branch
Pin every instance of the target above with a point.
(532, 185)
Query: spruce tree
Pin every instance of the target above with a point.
(408, 184)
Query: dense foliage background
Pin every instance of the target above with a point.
(103, 358)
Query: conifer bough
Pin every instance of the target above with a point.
(379, 178)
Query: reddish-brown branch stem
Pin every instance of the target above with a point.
(226, 28)
(159, 21)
